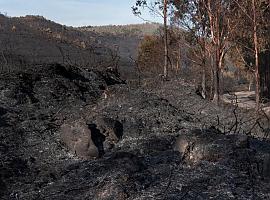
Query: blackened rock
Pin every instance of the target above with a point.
(110, 128)
(128, 161)
(112, 77)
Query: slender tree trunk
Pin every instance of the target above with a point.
(165, 73)
(216, 98)
(264, 61)
(204, 70)
(256, 48)
(179, 58)
(218, 66)
(212, 85)
(204, 82)
(221, 84)
(215, 33)
(251, 79)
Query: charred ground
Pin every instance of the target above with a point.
(170, 147)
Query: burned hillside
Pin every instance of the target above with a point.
(125, 143)
(36, 40)
(81, 117)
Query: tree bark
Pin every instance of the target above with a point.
(256, 48)
(216, 98)
(204, 82)
(165, 72)
(204, 70)
(264, 61)
(218, 66)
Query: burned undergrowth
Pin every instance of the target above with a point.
(62, 138)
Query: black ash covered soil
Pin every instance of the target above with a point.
(153, 143)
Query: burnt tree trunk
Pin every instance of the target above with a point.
(217, 81)
(264, 72)
(165, 72)
(256, 49)
(204, 80)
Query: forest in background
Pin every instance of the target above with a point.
(224, 43)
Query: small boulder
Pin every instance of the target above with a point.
(181, 144)
(209, 144)
(77, 137)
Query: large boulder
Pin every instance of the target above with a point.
(78, 138)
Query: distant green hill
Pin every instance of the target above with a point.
(128, 30)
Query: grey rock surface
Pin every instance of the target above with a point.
(78, 138)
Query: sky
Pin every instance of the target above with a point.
(77, 12)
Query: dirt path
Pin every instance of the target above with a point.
(245, 99)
